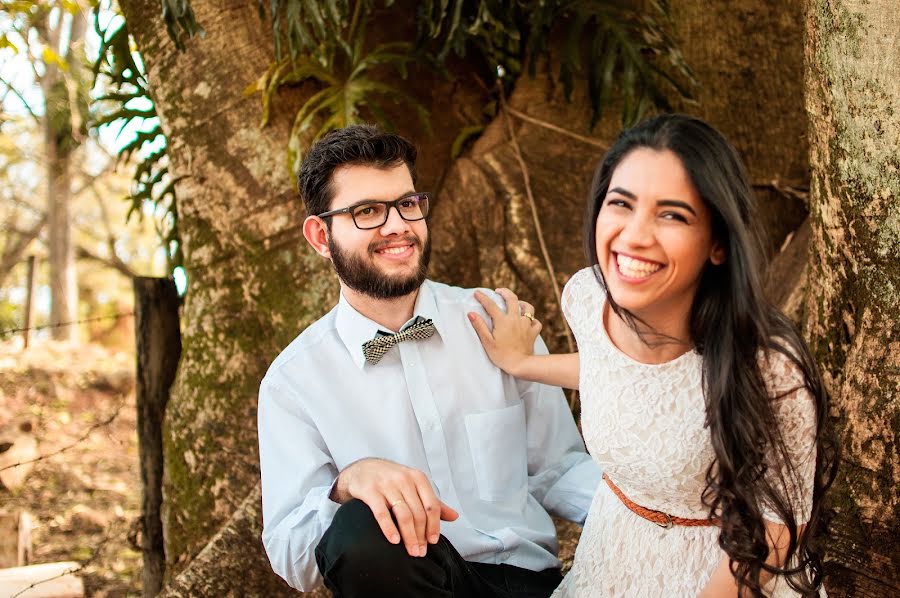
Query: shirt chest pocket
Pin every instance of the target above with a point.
(498, 440)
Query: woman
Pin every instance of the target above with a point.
(699, 399)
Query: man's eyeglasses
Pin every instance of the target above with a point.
(372, 214)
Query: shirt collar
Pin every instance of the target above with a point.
(354, 328)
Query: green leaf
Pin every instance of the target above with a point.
(463, 137)
(118, 65)
(178, 15)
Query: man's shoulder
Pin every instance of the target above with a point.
(462, 298)
(306, 344)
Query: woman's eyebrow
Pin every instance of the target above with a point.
(624, 192)
(675, 203)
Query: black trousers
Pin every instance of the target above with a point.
(356, 560)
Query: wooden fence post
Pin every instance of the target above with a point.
(29, 300)
(158, 344)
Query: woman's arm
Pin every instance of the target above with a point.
(722, 584)
(510, 344)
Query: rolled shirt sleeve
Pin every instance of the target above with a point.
(562, 476)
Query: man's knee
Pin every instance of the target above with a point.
(353, 530)
(355, 553)
(355, 541)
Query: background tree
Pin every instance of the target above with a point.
(86, 194)
(51, 36)
(510, 196)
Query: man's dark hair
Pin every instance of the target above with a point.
(365, 145)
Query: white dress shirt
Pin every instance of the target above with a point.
(501, 451)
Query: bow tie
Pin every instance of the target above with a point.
(375, 349)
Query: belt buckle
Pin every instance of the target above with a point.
(668, 524)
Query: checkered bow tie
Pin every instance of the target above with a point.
(375, 349)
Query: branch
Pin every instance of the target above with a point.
(9, 260)
(13, 251)
(24, 204)
(526, 178)
(10, 88)
(793, 189)
(91, 179)
(114, 262)
(552, 127)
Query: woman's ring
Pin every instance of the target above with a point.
(529, 316)
(397, 502)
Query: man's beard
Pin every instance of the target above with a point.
(364, 277)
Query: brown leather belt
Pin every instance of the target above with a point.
(658, 517)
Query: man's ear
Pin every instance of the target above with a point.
(718, 255)
(316, 233)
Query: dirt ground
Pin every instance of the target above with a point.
(83, 492)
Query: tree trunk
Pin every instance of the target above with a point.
(61, 259)
(59, 144)
(748, 57)
(254, 284)
(251, 283)
(853, 103)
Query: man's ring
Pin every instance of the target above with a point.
(397, 502)
(529, 316)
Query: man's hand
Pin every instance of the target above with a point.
(385, 487)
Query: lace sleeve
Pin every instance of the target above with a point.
(795, 411)
(580, 299)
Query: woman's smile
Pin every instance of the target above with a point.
(654, 237)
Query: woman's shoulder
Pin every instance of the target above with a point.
(581, 299)
(584, 282)
(582, 294)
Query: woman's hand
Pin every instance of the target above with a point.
(511, 342)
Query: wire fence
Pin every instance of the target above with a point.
(4, 334)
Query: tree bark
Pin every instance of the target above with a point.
(853, 102)
(219, 571)
(748, 58)
(61, 258)
(253, 282)
(59, 144)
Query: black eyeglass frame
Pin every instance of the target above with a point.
(388, 205)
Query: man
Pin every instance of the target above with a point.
(396, 459)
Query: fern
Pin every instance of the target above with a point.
(124, 84)
(342, 66)
(609, 44)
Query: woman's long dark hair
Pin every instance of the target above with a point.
(730, 323)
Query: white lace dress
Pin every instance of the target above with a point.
(644, 425)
